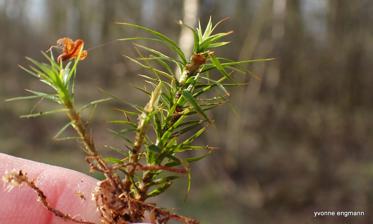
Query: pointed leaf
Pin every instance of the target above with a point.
(44, 113)
(189, 97)
(162, 37)
(56, 136)
(218, 66)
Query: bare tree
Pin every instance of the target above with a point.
(190, 14)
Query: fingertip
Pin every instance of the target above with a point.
(67, 190)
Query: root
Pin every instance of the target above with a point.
(121, 208)
(18, 178)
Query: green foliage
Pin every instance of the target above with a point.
(181, 115)
(59, 77)
(160, 138)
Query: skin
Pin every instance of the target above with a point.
(60, 185)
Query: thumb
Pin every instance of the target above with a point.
(66, 190)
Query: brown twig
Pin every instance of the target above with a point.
(17, 178)
(93, 158)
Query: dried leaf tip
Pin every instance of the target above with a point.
(71, 49)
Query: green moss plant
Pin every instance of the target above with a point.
(164, 130)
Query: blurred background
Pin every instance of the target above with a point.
(295, 141)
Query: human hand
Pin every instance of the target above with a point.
(64, 189)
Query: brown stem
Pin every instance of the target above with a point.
(81, 130)
(134, 158)
(89, 146)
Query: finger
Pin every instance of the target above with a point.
(64, 189)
